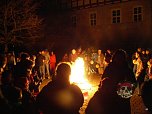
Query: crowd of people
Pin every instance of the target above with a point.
(122, 82)
(20, 80)
(95, 60)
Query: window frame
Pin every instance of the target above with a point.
(137, 14)
(116, 16)
(93, 19)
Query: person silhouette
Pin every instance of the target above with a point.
(59, 96)
(111, 97)
(146, 94)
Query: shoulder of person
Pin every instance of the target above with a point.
(74, 87)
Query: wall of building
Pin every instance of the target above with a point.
(106, 34)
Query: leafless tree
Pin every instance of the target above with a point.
(19, 22)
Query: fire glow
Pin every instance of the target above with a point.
(78, 75)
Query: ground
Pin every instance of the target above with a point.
(94, 80)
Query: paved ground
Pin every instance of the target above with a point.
(93, 79)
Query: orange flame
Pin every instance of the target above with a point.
(78, 74)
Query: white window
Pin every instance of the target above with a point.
(93, 19)
(137, 15)
(116, 16)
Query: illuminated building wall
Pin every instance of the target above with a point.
(104, 23)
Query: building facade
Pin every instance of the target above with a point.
(106, 23)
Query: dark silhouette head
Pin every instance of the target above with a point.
(119, 57)
(24, 56)
(15, 95)
(6, 77)
(22, 82)
(63, 71)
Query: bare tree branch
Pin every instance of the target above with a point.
(19, 21)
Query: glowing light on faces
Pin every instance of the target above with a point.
(78, 74)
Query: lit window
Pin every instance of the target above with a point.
(74, 21)
(116, 16)
(137, 14)
(93, 19)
